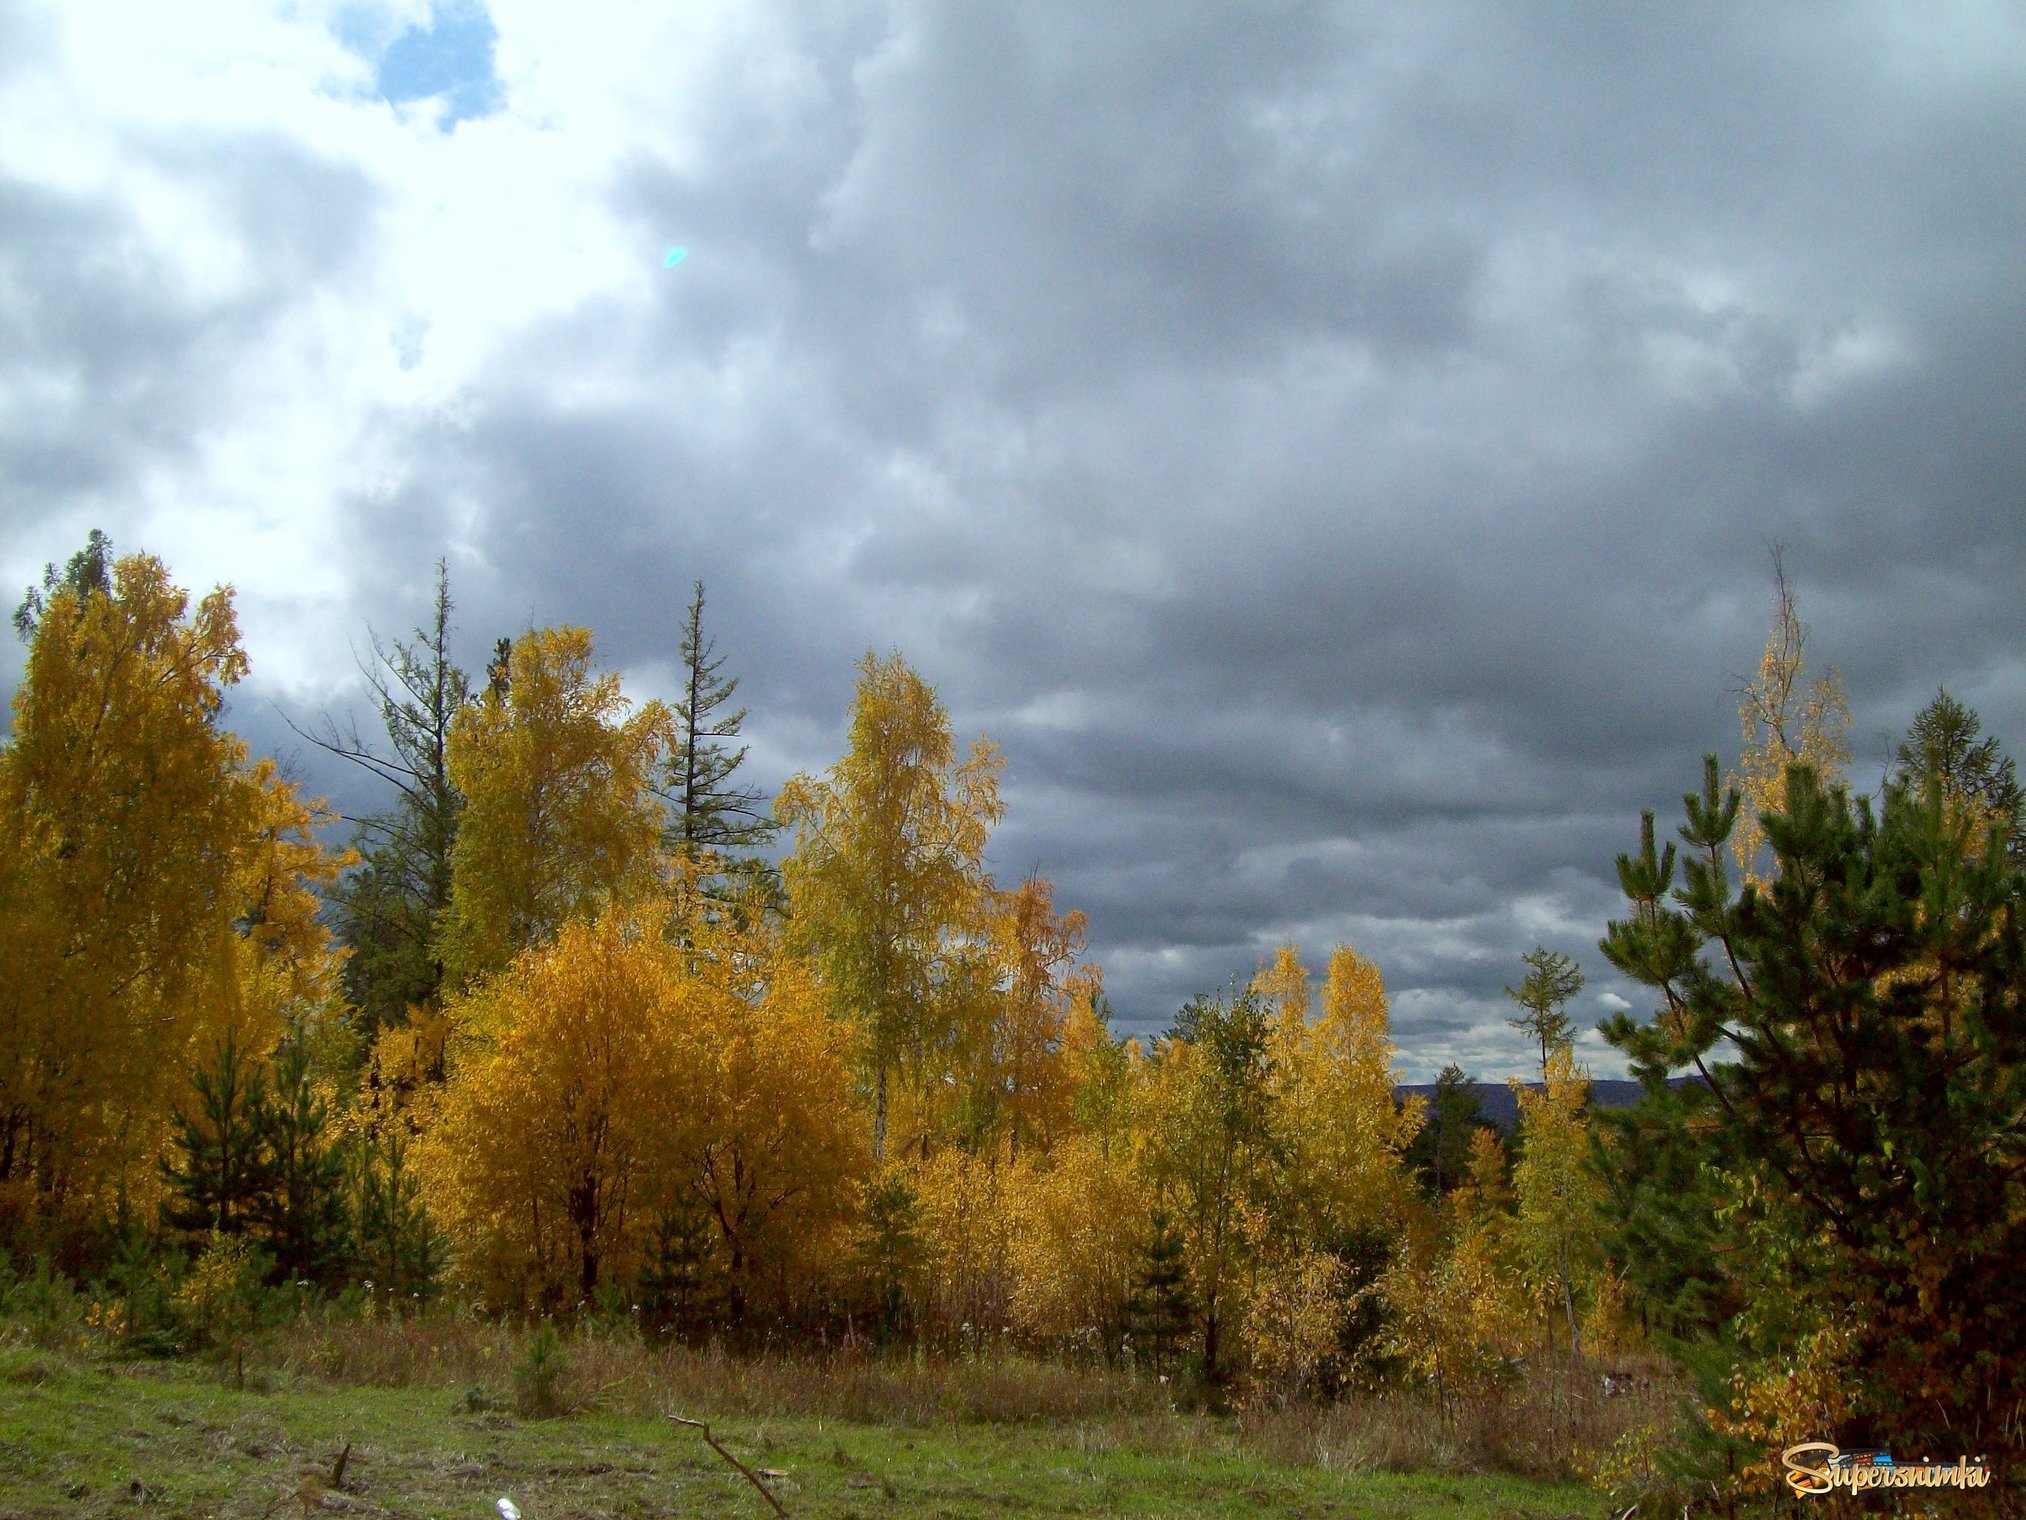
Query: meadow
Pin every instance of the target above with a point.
(439, 1418)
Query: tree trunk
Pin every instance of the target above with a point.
(735, 1289)
(584, 1214)
(1569, 1304)
(879, 1115)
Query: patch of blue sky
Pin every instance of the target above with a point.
(450, 58)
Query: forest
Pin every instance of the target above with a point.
(581, 1033)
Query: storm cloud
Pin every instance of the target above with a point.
(1333, 449)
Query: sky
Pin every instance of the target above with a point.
(1334, 450)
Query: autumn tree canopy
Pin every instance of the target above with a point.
(555, 767)
(886, 882)
(157, 887)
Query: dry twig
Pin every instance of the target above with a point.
(745, 1471)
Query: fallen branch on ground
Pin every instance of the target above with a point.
(745, 1471)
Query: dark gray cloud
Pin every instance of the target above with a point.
(1332, 449)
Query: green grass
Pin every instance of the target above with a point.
(90, 1439)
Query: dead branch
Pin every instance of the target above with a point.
(744, 1471)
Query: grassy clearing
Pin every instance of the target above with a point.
(94, 1439)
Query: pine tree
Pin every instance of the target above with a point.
(301, 1212)
(88, 573)
(1440, 1151)
(1943, 749)
(1858, 1028)
(389, 906)
(892, 1251)
(499, 678)
(217, 1170)
(1658, 1219)
(396, 1246)
(1159, 1315)
(679, 1285)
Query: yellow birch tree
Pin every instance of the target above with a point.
(554, 1136)
(770, 1139)
(1342, 1136)
(887, 881)
(1037, 947)
(1783, 722)
(1556, 1190)
(560, 815)
(1079, 1224)
(156, 889)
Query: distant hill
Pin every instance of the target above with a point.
(1498, 1105)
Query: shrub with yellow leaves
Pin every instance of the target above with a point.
(1079, 1224)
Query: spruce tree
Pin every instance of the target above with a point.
(711, 816)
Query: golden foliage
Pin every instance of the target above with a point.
(216, 1299)
(968, 1289)
(614, 1075)
(559, 813)
(1079, 1223)
(1608, 1329)
(1783, 723)
(1460, 1297)
(1437, 1291)
(770, 1138)
(1557, 1191)
(1103, 1072)
(1775, 1405)
(1293, 1312)
(1341, 1134)
(886, 881)
(155, 887)
(1489, 1189)
(554, 1133)
(1283, 985)
(1036, 949)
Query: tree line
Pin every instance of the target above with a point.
(567, 1039)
